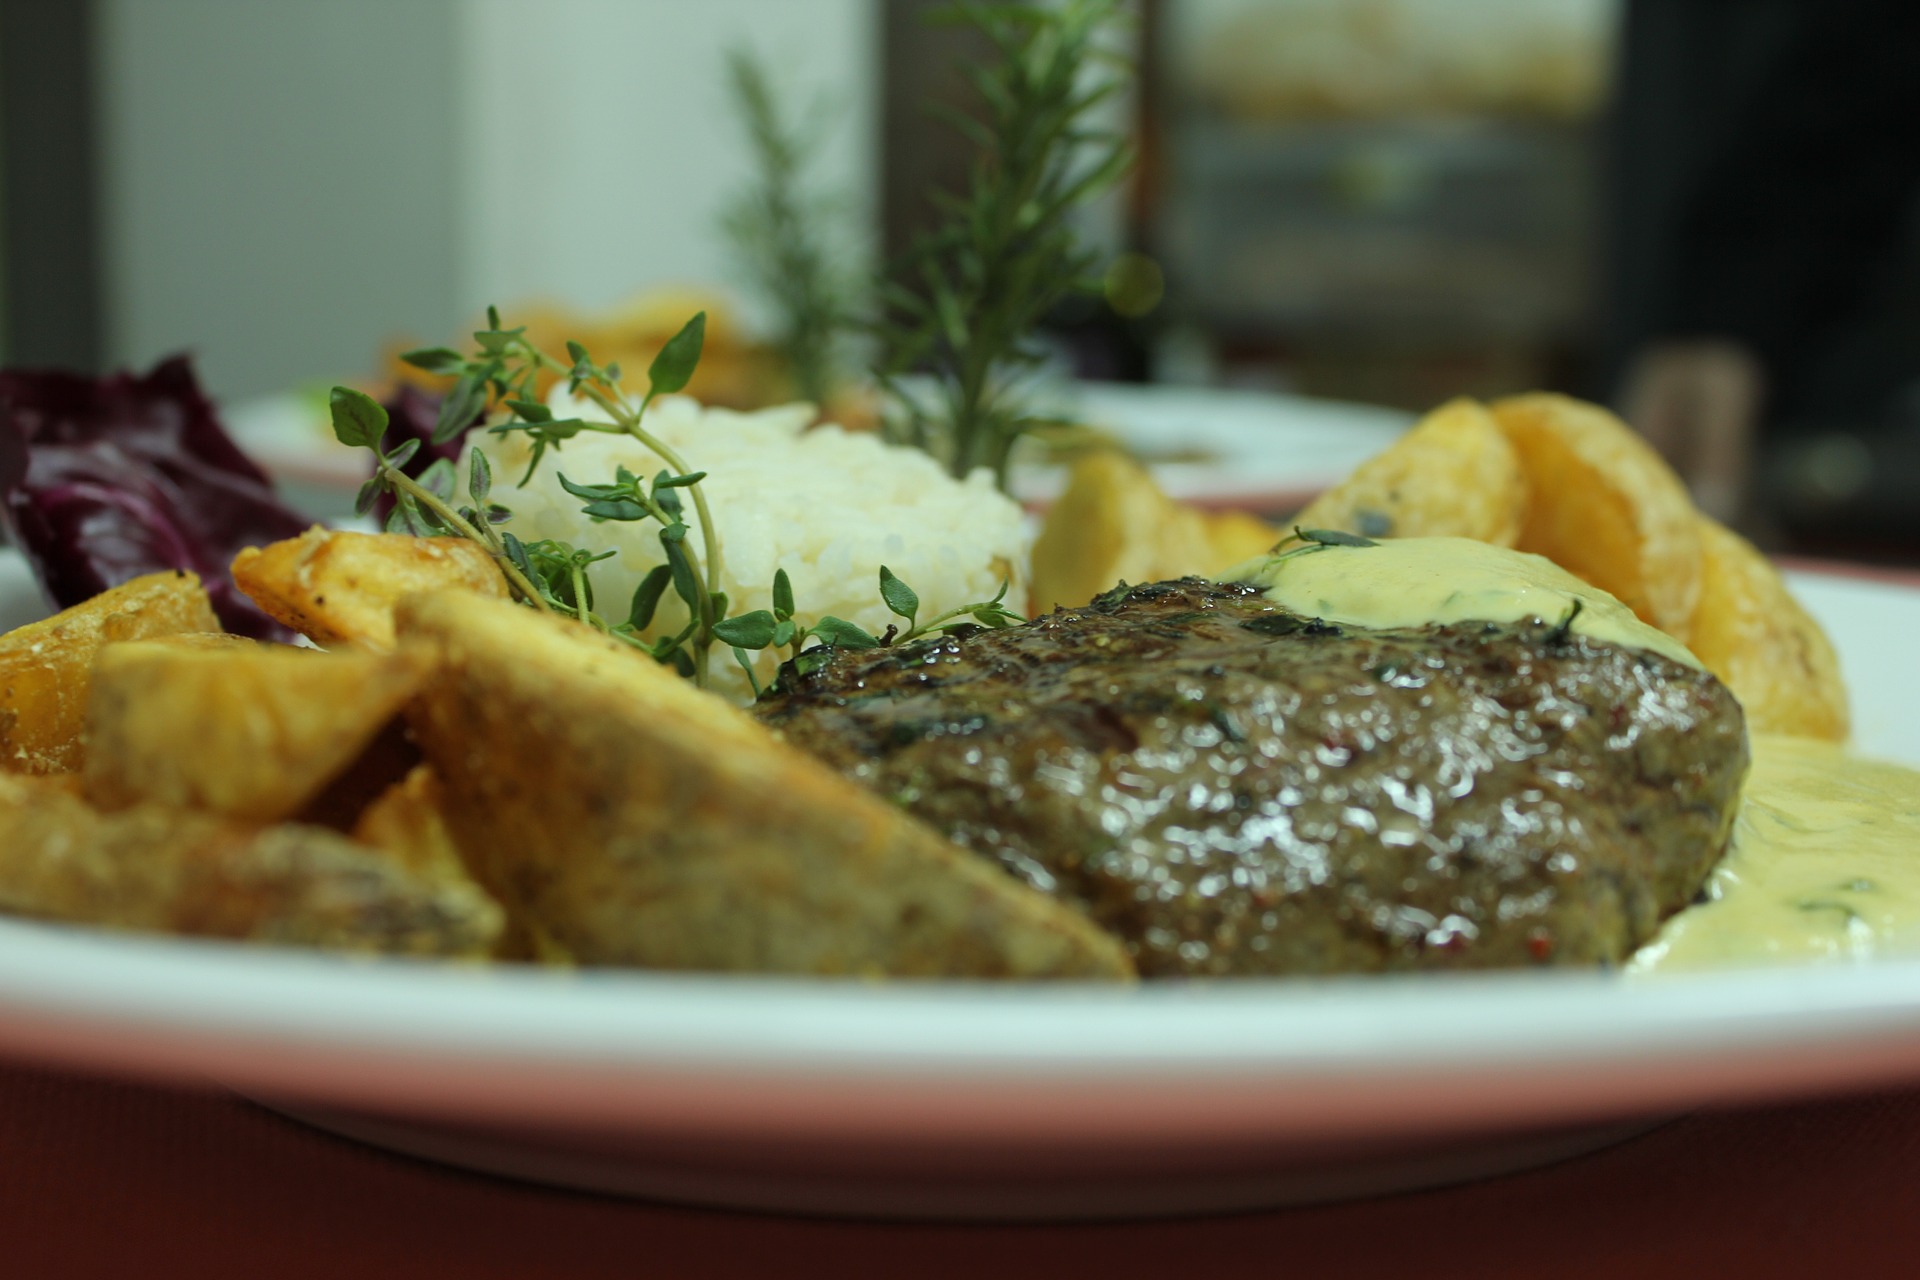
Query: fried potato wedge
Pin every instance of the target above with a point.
(254, 734)
(1235, 536)
(1604, 506)
(45, 666)
(1750, 631)
(170, 871)
(339, 589)
(1112, 523)
(637, 820)
(408, 822)
(1453, 475)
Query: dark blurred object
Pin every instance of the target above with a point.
(1847, 494)
(48, 196)
(127, 475)
(921, 76)
(1390, 201)
(1697, 401)
(1763, 200)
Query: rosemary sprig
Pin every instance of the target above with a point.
(777, 228)
(966, 299)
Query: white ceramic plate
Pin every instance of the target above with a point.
(969, 1100)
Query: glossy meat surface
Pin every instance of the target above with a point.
(1234, 789)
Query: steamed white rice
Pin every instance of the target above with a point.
(829, 506)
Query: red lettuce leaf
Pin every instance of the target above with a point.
(105, 479)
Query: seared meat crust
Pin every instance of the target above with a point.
(1235, 789)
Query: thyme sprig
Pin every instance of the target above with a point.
(777, 628)
(505, 371)
(557, 576)
(964, 302)
(424, 506)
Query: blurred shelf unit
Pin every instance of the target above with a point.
(1420, 230)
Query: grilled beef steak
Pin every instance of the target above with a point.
(1235, 789)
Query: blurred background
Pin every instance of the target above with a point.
(1702, 213)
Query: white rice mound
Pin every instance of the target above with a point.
(828, 506)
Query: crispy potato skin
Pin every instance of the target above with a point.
(636, 820)
(1603, 505)
(1750, 631)
(169, 871)
(45, 667)
(409, 822)
(270, 725)
(339, 589)
(1453, 475)
(1112, 523)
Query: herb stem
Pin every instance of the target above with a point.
(580, 593)
(629, 419)
(427, 498)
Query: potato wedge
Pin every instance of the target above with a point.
(637, 820)
(1112, 524)
(338, 589)
(254, 734)
(1604, 506)
(1750, 631)
(45, 666)
(1105, 527)
(213, 642)
(408, 822)
(1236, 536)
(169, 871)
(1453, 475)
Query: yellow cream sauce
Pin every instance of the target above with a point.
(1825, 865)
(1825, 861)
(1416, 582)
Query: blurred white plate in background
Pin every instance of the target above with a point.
(1221, 447)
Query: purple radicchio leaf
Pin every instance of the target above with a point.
(412, 415)
(106, 479)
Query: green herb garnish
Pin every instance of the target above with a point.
(556, 576)
(505, 371)
(964, 302)
(1311, 540)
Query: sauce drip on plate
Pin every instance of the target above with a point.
(1825, 861)
(1825, 866)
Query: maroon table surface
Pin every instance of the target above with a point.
(101, 1177)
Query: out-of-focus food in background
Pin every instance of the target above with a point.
(1394, 201)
